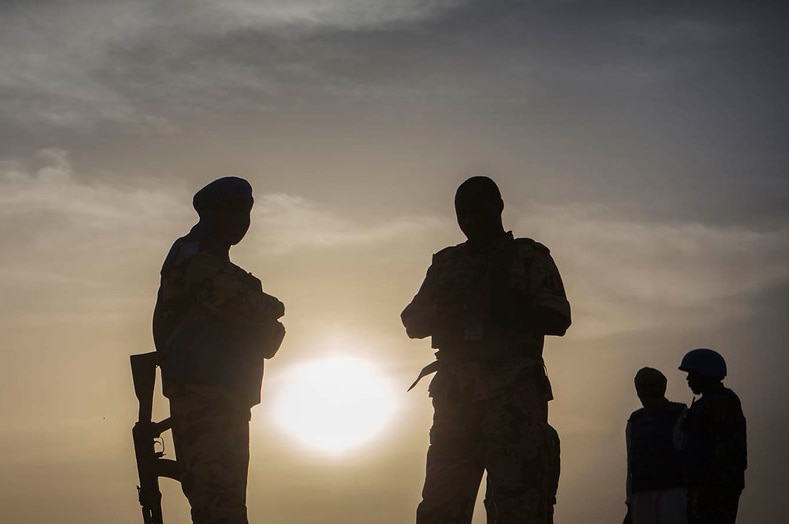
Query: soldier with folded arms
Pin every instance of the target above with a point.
(487, 304)
(213, 326)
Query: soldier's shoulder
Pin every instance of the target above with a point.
(529, 245)
(678, 407)
(182, 250)
(731, 394)
(450, 253)
(188, 252)
(636, 415)
(728, 399)
(529, 250)
(187, 247)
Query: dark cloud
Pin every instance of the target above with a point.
(680, 101)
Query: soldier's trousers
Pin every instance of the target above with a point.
(713, 503)
(507, 436)
(212, 449)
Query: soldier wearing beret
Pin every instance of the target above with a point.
(213, 327)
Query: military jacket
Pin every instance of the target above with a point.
(213, 325)
(713, 440)
(484, 306)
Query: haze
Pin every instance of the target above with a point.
(644, 143)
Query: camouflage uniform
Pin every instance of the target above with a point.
(212, 442)
(714, 453)
(490, 393)
(213, 326)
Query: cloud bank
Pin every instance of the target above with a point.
(60, 59)
(631, 275)
(623, 275)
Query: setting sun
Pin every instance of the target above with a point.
(334, 404)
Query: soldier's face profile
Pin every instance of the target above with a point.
(232, 223)
(478, 218)
(695, 382)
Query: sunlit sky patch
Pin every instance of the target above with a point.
(334, 404)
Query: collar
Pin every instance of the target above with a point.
(493, 245)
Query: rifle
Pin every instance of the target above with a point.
(146, 435)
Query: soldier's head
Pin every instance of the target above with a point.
(224, 206)
(650, 387)
(478, 206)
(706, 368)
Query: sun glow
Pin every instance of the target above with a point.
(335, 404)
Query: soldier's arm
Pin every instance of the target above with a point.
(725, 422)
(230, 293)
(419, 317)
(548, 311)
(258, 300)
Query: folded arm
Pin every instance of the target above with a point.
(230, 293)
(419, 317)
(547, 312)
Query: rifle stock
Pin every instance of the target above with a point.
(150, 464)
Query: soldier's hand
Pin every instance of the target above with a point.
(453, 318)
(274, 308)
(273, 339)
(419, 320)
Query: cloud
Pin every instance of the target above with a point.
(63, 228)
(288, 223)
(75, 251)
(61, 232)
(54, 192)
(87, 208)
(49, 52)
(56, 57)
(67, 246)
(629, 275)
(343, 14)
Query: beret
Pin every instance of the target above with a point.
(220, 192)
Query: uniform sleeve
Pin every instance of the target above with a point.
(420, 315)
(228, 292)
(726, 424)
(549, 310)
(550, 294)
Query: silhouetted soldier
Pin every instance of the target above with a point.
(213, 326)
(488, 303)
(712, 441)
(656, 491)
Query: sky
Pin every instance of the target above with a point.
(644, 143)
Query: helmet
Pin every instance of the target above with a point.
(705, 362)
